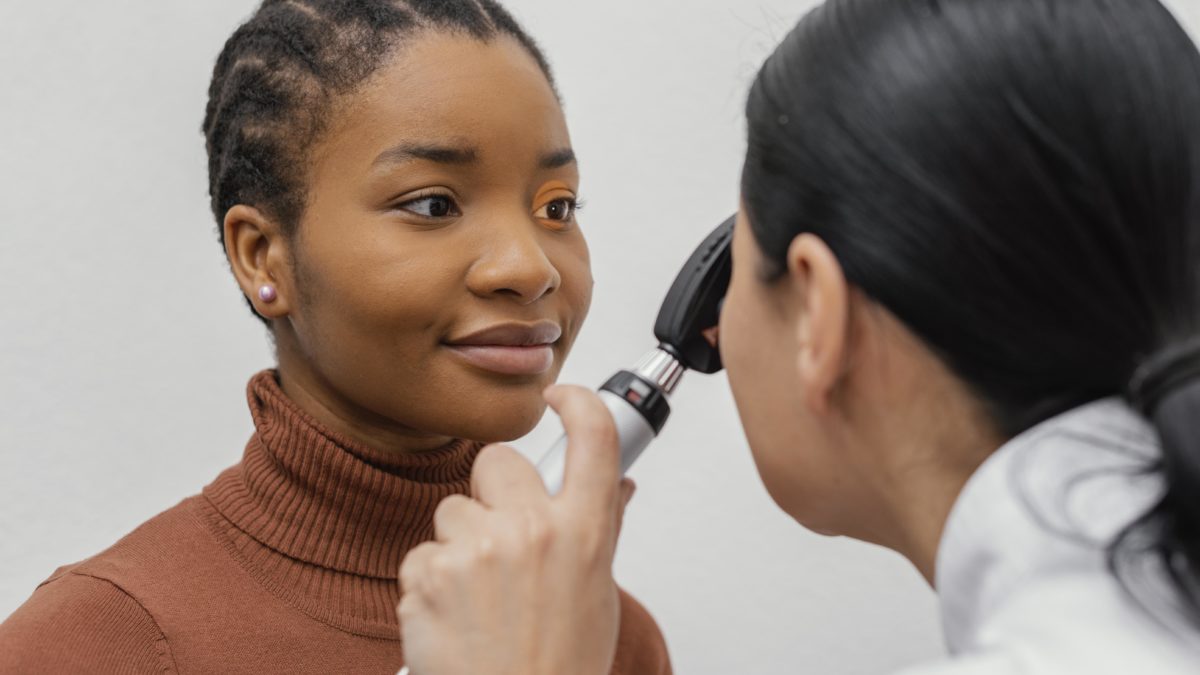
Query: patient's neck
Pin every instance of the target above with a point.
(313, 394)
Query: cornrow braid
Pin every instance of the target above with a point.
(275, 81)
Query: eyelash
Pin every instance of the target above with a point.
(453, 205)
(574, 206)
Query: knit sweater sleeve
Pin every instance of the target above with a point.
(74, 623)
(641, 649)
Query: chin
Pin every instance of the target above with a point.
(503, 423)
(817, 516)
(808, 502)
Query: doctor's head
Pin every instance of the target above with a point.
(395, 189)
(961, 218)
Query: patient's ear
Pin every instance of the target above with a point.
(820, 289)
(258, 253)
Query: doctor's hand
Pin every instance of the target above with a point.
(518, 582)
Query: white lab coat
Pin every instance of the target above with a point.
(1022, 572)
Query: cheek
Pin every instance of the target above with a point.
(372, 310)
(753, 364)
(759, 358)
(572, 259)
(375, 305)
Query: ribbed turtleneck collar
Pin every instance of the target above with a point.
(316, 496)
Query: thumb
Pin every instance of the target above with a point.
(627, 490)
(593, 463)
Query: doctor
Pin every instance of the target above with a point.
(964, 323)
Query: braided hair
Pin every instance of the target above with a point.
(275, 82)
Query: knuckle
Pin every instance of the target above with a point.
(537, 532)
(486, 551)
(447, 507)
(416, 583)
(413, 559)
(494, 454)
(406, 609)
(441, 572)
(592, 544)
(413, 569)
(408, 580)
(493, 462)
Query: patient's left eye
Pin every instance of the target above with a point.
(560, 210)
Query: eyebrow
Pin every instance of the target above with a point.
(557, 159)
(443, 154)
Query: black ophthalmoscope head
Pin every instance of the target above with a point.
(693, 305)
(691, 309)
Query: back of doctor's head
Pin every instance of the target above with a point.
(1040, 158)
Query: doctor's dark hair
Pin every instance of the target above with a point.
(280, 74)
(1018, 181)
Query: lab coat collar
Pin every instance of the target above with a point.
(1049, 501)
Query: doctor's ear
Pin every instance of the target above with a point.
(258, 253)
(821, 321)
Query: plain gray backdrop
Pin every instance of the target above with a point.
(125, 346)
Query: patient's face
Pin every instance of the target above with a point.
(442, 277)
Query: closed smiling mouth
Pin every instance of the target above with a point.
(509, 348)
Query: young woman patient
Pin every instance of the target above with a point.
(396, 193)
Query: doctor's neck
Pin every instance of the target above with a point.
(916, 437)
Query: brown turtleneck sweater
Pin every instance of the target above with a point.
(286, 563)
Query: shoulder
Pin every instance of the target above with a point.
(146, 562)
(75, 622)
(641, 649)
(1071, 622)
(92, 616)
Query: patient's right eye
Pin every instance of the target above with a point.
(432, 206)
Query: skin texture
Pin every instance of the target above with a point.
(373, 287)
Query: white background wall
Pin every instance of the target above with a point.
(125, 348)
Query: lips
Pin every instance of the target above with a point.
(509, 349)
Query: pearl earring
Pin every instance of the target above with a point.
(267, 293)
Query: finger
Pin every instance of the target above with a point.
(593, 464)
(408, 609)
(628, 488)
(414, 569)
(502, 476)
(457, 516)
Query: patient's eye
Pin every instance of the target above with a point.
(432, 206)
(560, 210)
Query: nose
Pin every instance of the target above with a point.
(513, 264)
